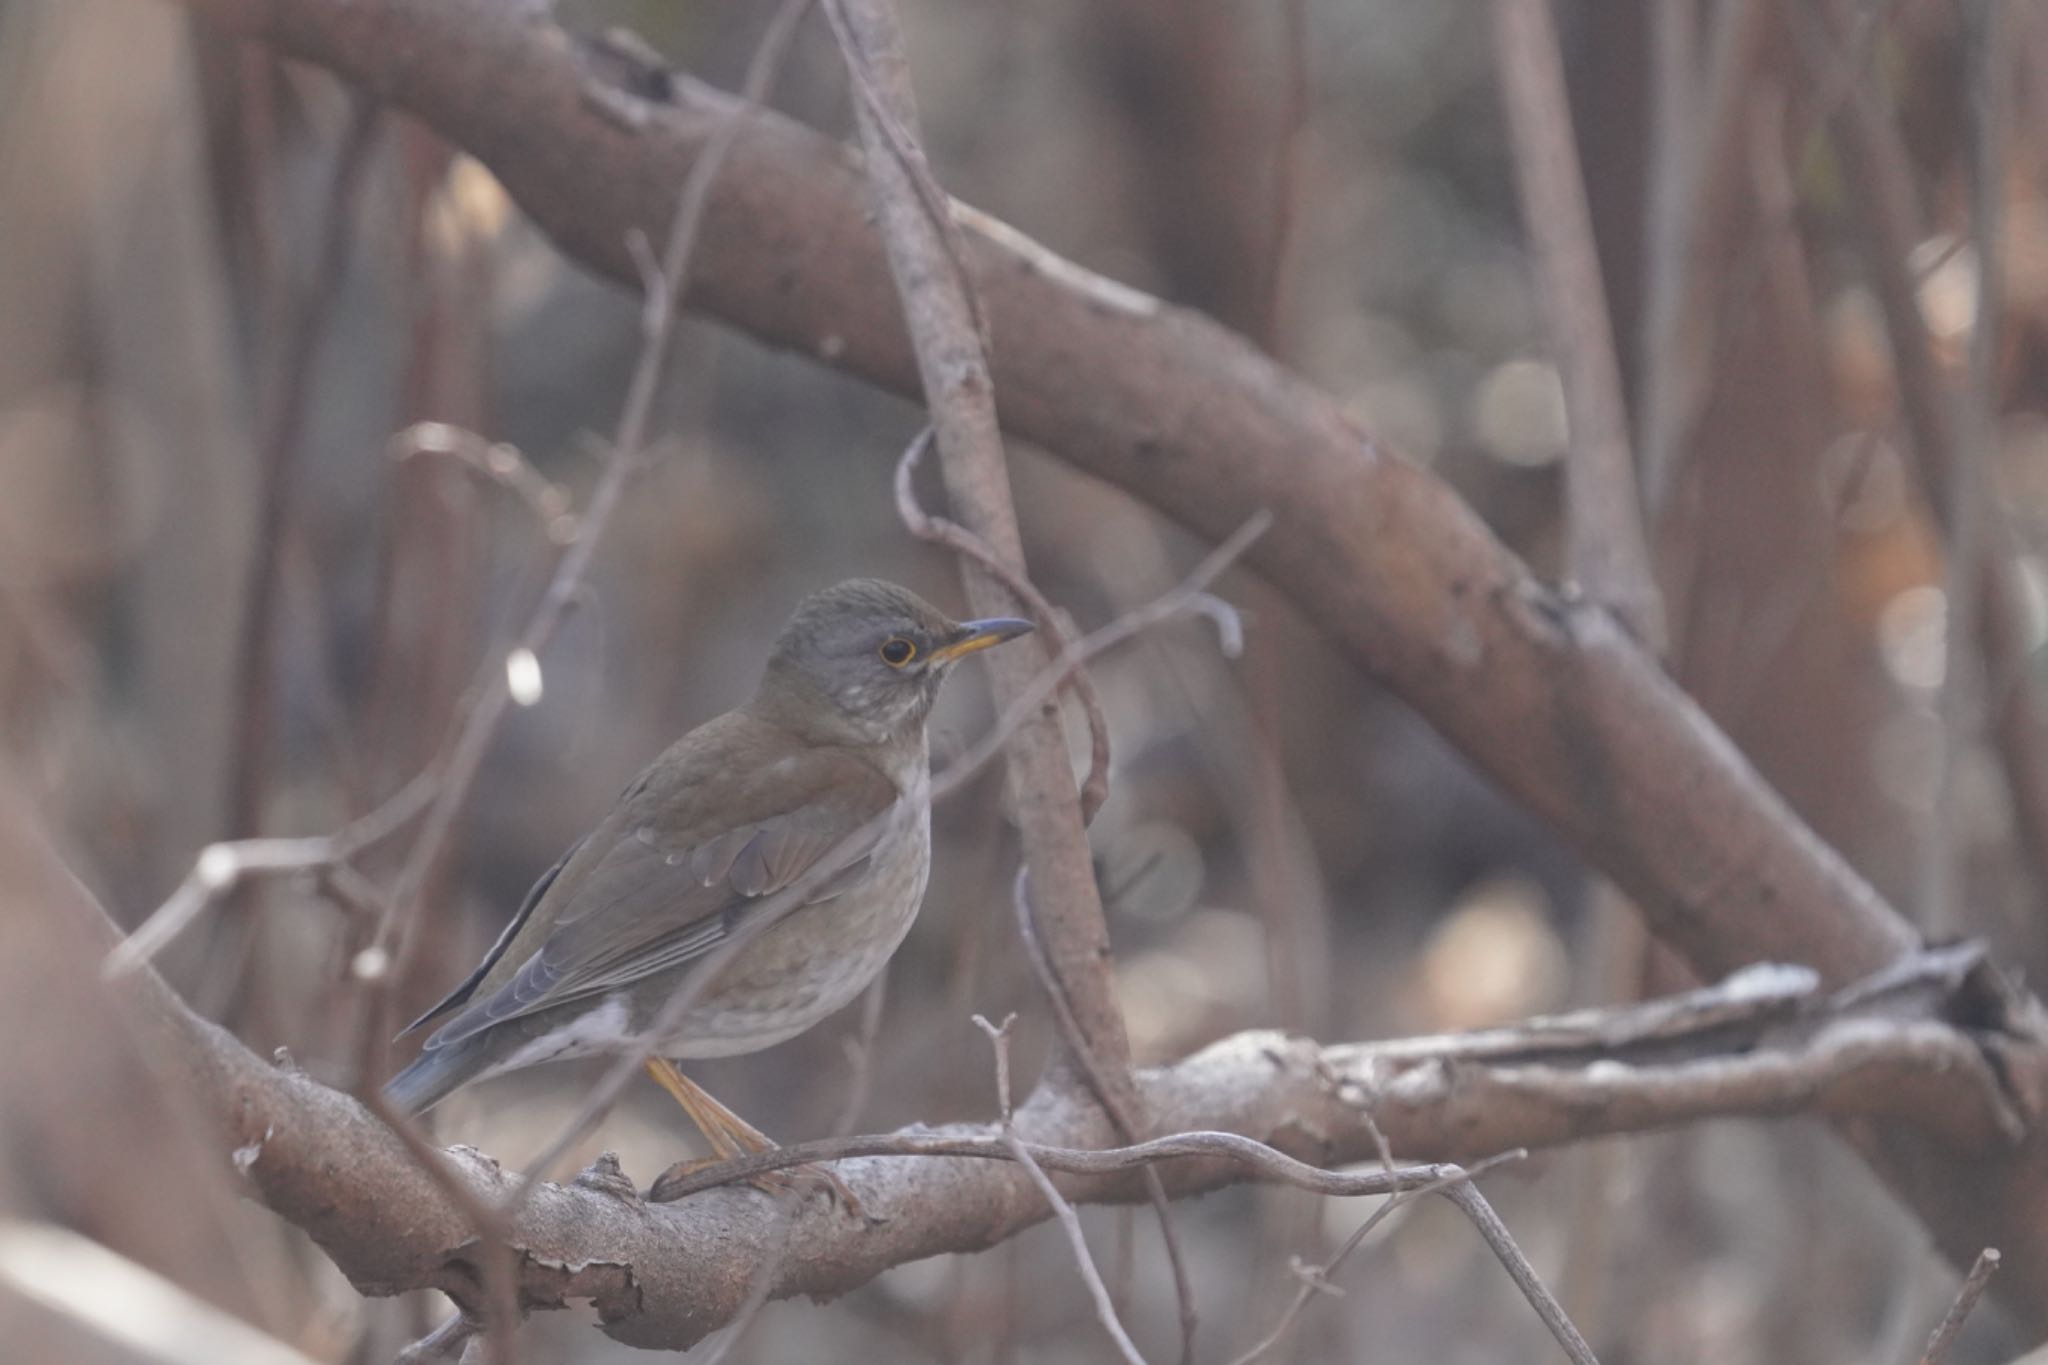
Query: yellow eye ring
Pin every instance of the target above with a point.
(897, 651)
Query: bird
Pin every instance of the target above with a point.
(798, 822)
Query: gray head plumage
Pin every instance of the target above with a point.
(874, 654)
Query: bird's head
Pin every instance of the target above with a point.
(867, 656)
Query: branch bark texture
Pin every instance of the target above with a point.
(1553, 699)
(665, 1275)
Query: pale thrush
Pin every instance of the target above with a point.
(827, 764)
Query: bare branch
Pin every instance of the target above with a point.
(1608, 556)
(1105, 1094)
(284, 422)
(1070, 1223)
(1467, 1197)
(1190, 596)
(1316, 1279)
(1262, 1103)
(500, 463)
(220, 868)
(1876, 166)
(927, 256)
(860, 1050)
(1966, 1298)
(1697, 170)
(1052, 623)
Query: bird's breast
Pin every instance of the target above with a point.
(817, 959)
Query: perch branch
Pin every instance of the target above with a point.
(1257, 1105)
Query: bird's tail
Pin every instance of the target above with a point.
(433, 1076)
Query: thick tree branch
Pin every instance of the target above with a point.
(667, 1274)
(1555, 701)
(1560, 706)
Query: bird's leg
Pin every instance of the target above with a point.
(731, 1136)
(728, 1133)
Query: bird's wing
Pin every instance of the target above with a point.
(461, 994)
(657, 897)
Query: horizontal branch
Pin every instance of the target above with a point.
(1252, 1106)
(1549, 696)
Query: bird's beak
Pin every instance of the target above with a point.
(972, 636)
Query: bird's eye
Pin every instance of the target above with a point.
(897, 651)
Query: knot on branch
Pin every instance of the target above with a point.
(605, 1176)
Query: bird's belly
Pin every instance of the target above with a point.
(812, 963)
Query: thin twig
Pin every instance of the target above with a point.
(1317, 1279)
(1960, 704)
(283, 430)
(923, 246)
(861, 1054)
(1966, 1298)
(1120, 1118)
(998, 1036)
(221, 867)
(499, 462)
(1070, 1222)
(1260, 1158)
(1607, 554)
(1052, 623)
(1877, 166)
(1497, 1237)
(443, 1343)
(1285, 208)
(903, 148)
(1699, 129)
(1189, 597)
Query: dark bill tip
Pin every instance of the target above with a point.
(979, 635)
